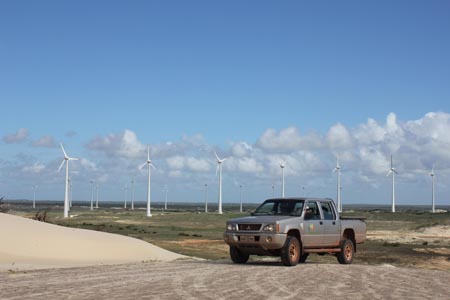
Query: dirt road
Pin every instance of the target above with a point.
(223, 280)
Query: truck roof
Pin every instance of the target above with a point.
(301, 198)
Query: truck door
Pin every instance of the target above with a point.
(312, 225)
(331, 226)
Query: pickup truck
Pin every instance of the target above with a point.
(292, 228)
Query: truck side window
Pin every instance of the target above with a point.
(328, 213)
(312, 211)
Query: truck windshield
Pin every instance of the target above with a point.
(280, 207)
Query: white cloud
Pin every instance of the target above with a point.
(175, 162)
(20, 136)
(364, 151)
(34, 168)
(188, 164)
(45, 141)
(338, 137)
(241, 149)
(288, 139)
(124, 144)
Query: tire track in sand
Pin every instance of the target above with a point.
(224, 280)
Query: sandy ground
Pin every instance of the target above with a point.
(29, 244)
(429, 234)
(224, 280)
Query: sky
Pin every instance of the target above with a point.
(259, 82)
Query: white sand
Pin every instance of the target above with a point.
(26, 244)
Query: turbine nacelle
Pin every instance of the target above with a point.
(432, 172)
(149, 161)
(283, 164)
(392, 170)
(66, 158)
(219, 162)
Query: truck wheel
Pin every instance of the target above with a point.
(303, 257)
(345, 257)
(237, 256)
(290, 253)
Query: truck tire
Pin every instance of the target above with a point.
(237, 256)
(290, 253)
(303, 258)
(345, 257)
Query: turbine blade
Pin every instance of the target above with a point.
(64, 151)
(143, 165)
(60, 166)
(217, 156)
(395, 171)
(73, 158)
(151, 164)
(148, 153)
(389, 173)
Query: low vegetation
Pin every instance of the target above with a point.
(3, 206)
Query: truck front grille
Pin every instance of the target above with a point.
(249, 227)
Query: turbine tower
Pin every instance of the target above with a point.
(70, 192)
(240, 198)
(219, 171)
(337, 169)
(282, 166)
(149, 164)
(92, 194)
(126, 195)
(432, 190)
(165, 198)
(34, 195)
(132, 194)
(96, 188)
(66, 196)
(206, 197)
(393, 172)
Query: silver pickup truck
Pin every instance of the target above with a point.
(292, 228)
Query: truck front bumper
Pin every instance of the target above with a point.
(265, 241)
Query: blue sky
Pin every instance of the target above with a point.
(258, 81)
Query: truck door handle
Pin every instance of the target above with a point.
(334, 223)
(321, 223)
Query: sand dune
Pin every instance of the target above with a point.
(26, 243)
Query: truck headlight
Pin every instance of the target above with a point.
(269, 227)
(231, 227)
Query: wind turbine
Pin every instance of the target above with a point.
(126, 195)
(92, 194)
(70, 192)
(273, 190)
(149, 164)
(240, 198)
(219, 170)
(282, 166)
(96, 188)
(432, 189)
(337, 169)
(66, 196)
(132, 194)
(206, 197)
(165, 198)
(34, 195)
(393, 172)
